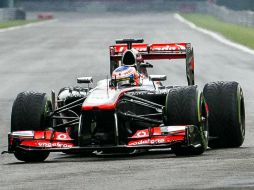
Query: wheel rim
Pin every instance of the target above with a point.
(242, 116)
(241, 111)
(203, 114)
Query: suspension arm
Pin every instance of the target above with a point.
(143, 100)
(142, 104)
(69, 106)
(67, 123)
(137, 117)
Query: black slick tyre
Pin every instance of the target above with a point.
(29, 112)
(226, 114)
(33, 156)
(186, 106)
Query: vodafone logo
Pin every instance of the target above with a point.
(141, 134)
(181, 47)
(153, 47)
(62, 137)
(147, 141)
(175, 47)
(122, 49)
(140, 49)
(57, 145)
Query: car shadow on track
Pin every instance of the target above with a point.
(59, 158)
(154, 154)
(62, 157)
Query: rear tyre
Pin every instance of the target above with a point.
(186, 106)
(29, 112)
(226, 114)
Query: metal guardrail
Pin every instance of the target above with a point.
(245, 18)
(7, 14)
(100, 5)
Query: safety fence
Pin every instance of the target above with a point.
(7, 14)
(209, 7)
(106, 5)
(245, 18)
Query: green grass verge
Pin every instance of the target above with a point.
(240, 34)
(12, 23)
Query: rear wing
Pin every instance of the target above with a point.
(156, 52)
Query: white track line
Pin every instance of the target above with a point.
(215, 35)
(27, 25)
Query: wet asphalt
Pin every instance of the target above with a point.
(53, 54)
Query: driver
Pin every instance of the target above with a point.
(126, 76)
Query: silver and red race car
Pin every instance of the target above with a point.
(130, 111)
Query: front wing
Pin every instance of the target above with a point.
(54, 141)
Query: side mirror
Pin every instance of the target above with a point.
(157, 77)
(86, 80)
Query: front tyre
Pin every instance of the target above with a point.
(29, 112)
(36, 156)
(187, 106)
(226, 114)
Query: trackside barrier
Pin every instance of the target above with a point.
(245, 18)
(7, 14)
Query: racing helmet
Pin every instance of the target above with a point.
(126, 76)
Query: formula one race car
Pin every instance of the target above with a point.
(131, 111)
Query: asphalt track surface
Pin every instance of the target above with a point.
(51, 55)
